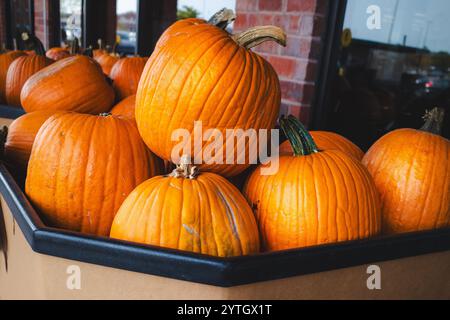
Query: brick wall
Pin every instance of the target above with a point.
(43, 21)
(297, 63)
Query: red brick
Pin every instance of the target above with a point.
(241, 22)
(291, 91)
(306, 25)
(301, 5)
(253, 20)
(294, 24)
(305, 70)
(269, 47)
(284, 66)
(299, 47)
(282, 21)
(265, 19)
(300, 112)
(246, 5)
(270, 5)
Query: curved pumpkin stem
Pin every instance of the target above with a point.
(300, 139)
(257, 35)
(222, 18)
(185, 169)
(433, 121)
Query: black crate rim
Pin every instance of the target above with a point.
(222, 272)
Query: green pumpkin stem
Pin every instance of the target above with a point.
(300, 139)
(434, 120)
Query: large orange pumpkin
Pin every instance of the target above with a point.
(21, 134)
(5, 61)
(125, 108)
(199, 72)
(315, 197)
(202, 213)
(326, 140)
(19, 72)
(411, 169)
(126, 74)
(57, 53)
(82, 167)
(73, 84)
(107, 61)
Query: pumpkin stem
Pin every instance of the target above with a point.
(14, 44)
(100, 44)
(222, 18)
(88, 52)
(300, 139)
(105, 114)
(257, 35)
(74, 46)
(33, 43)
(3, 135)
(2, 47)
(185, 169)
(434, 120)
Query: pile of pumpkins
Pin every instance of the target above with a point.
(99, 168)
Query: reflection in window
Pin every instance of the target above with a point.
(70, 11)
(389, 76)
(126, 26)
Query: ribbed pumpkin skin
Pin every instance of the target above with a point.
(82, 167)
(125, 108)
(98, 52)
(198, 72)
(411, 170)
(204, 215)
(57, 53)
(21, 135)
(106, 61)
(19, 72)
(72, 84)
(126, 74)
(320, 198)
(326, 140)
(5, 61)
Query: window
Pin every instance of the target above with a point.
(126, 26)
(396, 66)
(71, 20)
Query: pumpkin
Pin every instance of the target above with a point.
(126, 74)
(21, 134)
(411, 169)
(188, 210)
(73, 84)
(5, 61)
(100, 51)
(20, 71)
(57, 53)
(326, 140)
(315, 197)
(125, 107)
(82, 167)
(199, 72)
(107, 61)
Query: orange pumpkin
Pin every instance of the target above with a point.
(100, 51)
(125, 107)
(315, 197)
(21, 134)
(73, 84)
(326, 140)
(199, 72)
(57, 53)
(5, 61)
(106, 62)
(82, 167)
(411, 169)
(207, 214)
(126, 74)
(19, 72)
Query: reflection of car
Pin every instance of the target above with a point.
(127, 43)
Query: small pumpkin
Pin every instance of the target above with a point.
(21, 70)
(327, 140)
(57, 53)
(315, 197)
(411, 169)
(199, 72)
(72, 84)
(125, 108)
(126, 74)
(100, 51)
(82, 167)
(5, 61)
(188, 210)
(21, 134)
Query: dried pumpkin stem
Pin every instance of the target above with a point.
(2, 47)
(222, 18)
(185, 169)
(300, 139)
(434, 120)
(100, 44)
(34, 43)
(257, 35)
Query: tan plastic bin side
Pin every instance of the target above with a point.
(35, 276)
